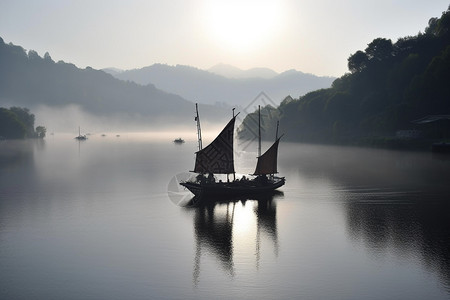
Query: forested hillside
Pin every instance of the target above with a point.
(17, 123)
(389, 85)
(28, 80)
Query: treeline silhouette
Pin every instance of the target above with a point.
(388, 86)
(18, 123)
(26, 79)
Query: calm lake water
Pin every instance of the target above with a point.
(97, 220)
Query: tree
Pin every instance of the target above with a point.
(10, 125)
(41, 131)
(432, 26)
(443, 24)
(379, 49)
(47, 57)
(33, 55)
(357, 62)
(27, 118)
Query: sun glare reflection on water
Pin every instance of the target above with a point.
(93, 218)
(244, 219)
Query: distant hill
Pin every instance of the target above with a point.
(113, 71)
(206, 87)
(389, 86)
(31, 81)
(230, 71)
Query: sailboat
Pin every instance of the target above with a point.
(80, 137)
(178, 141)
(218, 158)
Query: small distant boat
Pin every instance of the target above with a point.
(80, 137)
(217, 158)
(178, 141)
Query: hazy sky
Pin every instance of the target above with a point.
(314, 36)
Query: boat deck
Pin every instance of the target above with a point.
(233, 188)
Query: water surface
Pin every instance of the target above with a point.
(94, 220)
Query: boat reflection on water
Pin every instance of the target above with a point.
(405, 225)
(218, 228)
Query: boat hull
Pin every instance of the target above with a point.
(232, 188)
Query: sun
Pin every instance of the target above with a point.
(242, 26)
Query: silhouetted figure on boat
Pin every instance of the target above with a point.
(218, 158)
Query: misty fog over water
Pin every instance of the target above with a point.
(94, 220)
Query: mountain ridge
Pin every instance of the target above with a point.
(232, 72)
(32, 81)
(203, 86)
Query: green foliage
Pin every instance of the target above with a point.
(379, 49)
(10, 125)
(439, 26)
(249, 128)
(389, 85)
(18, 123)
(358, 61)
(41, 131)
(27, 119)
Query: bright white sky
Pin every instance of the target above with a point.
(313, 36)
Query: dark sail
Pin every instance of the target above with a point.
(267, 163)
(217, 157)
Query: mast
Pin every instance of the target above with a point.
(259, 130)
(276, 134)
(199, 130)
(234, 173)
